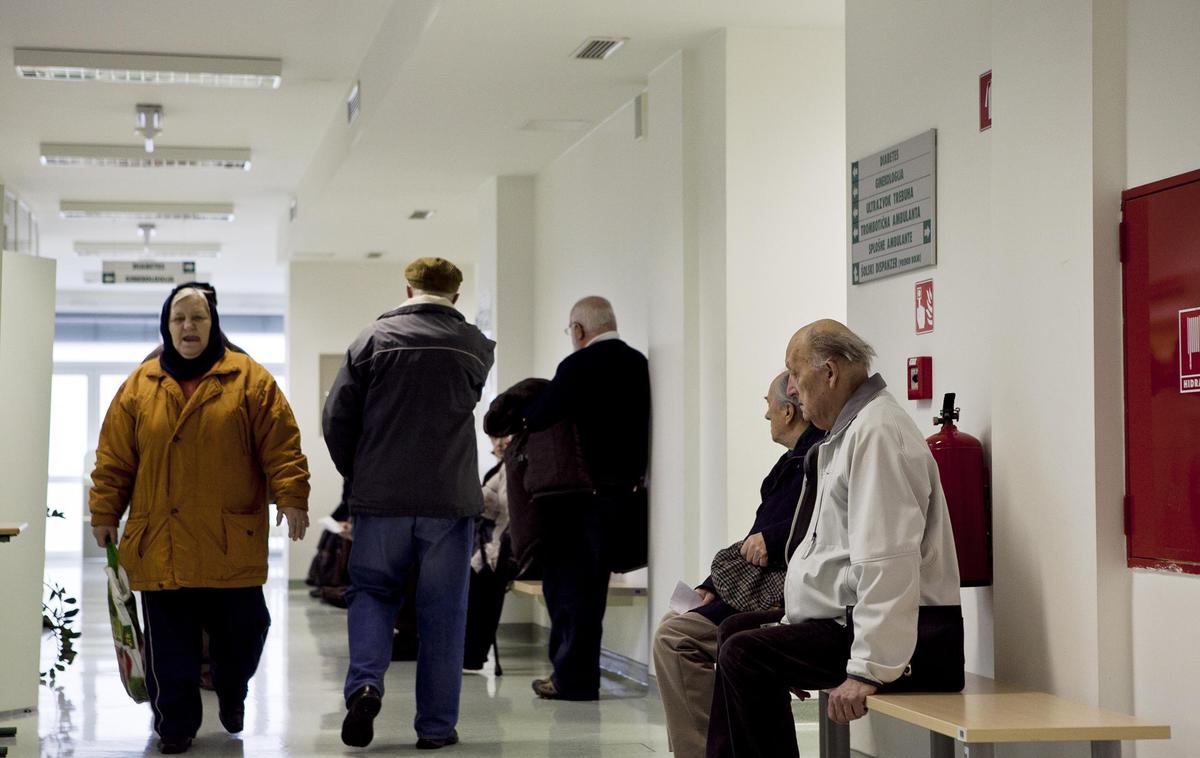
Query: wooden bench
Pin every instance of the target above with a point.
(617, 586)
(987, 712)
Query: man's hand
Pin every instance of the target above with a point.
(297, 521)
(849, 700)
(104, 535)
(754, 549)
(706, 597)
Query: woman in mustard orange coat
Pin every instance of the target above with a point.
(195, 444)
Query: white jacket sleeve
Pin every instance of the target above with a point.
(888, 495)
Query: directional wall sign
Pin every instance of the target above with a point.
(148, 272)
(892, 207)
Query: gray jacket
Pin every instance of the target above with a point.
(399, 421)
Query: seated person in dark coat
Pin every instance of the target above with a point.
(685, 644)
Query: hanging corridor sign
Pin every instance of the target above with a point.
(892, 207)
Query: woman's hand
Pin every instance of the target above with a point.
(297, 519)
(754, 549)
(104, 535)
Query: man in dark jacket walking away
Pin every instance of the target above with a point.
(399, 424)
(604, 388)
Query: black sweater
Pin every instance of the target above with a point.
(605, 389)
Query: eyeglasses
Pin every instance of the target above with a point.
(570, 327)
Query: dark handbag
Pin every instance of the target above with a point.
(555, 462)
(745, 586)
(938, 663)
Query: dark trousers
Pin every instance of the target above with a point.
(575, 585)
(485, 602)
(756, 670)
(236, 621)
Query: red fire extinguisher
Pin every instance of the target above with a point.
(960, 463)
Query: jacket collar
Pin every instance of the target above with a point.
(865, 393)
(410, 307)
(226, 365)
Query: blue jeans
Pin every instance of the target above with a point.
(384, 549)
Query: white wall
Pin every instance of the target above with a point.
(784, 266)
(1089, 97)
(328, 305)
(1163, 107)
(26, 339)
(591, 239)
(716, 237)
(947, 45)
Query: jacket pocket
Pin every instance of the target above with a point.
(245, 543)
(133, 540)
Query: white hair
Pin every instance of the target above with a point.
(779, 393)
(827, 345)
(594, 314)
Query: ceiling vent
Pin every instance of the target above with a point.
(124, 156)
(146, 211)
(598, 48)
(146, 68)
(420, 215)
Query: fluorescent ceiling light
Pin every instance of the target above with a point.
(125, 156)
(153, 250)
(147, 211)
(147, 68)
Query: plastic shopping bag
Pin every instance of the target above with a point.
(127, 633)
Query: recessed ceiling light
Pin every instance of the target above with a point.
(125, 156)
(153, 250)
(146, 68)
(146, 211)
(556, 125)
(420, 215)
(598, 48)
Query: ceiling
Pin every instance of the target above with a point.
(446, 87)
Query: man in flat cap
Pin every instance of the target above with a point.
(399, 425)
(603, 388)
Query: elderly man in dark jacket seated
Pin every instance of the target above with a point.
(685, 644)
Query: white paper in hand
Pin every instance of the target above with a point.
(684, 598)
(330, 524)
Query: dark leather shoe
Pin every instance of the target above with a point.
(545, 689)
(233, 717)
(358, 728)
(173, 745)
(433, 743)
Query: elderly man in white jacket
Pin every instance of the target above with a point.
(877, 556)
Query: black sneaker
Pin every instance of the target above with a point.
(233, 717)
(433, 743)
(358, 727)
(173, 745)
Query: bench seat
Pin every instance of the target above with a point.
(617, 586)
(987, 712)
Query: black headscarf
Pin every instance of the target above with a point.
(170, 359)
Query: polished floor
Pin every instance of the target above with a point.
(295, 706)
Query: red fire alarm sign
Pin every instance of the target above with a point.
(985, 101)
(923, 305)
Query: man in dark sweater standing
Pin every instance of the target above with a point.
(399, 424)
(604, 388)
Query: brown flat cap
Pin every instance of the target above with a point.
(434, 275)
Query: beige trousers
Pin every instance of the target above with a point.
(685, 654)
